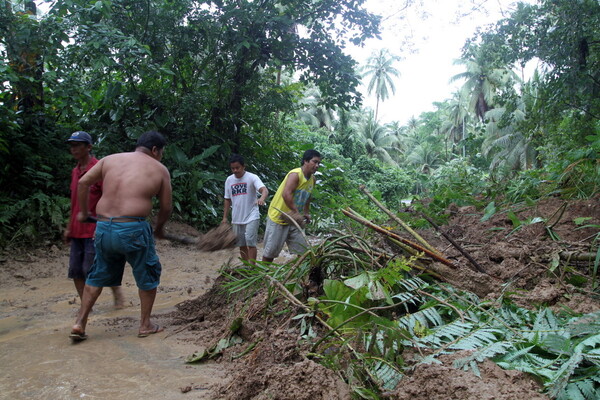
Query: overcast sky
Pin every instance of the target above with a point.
(438, 32)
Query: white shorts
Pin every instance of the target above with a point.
(247, 234)
(276, 235)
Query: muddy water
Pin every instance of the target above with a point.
(38, 361)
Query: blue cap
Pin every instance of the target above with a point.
(80, 136)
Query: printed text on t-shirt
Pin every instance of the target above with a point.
(239, 189)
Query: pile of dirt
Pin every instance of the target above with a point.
(533, 263)
(493, 383)
(546, 260)
(276, 367)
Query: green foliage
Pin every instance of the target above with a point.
(119, 68)
(457, 181)
(29, 220)
(197, 186)
(387, 183)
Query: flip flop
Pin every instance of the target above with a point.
(78, 337)
(157, 328)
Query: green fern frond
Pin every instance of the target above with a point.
(476, 339)
(561, 378)
(517, 354)
(571, 392)
(451, 332)
(591, 341)
(387, 374)
(557, 344)
(515, 317)
(584, 325)
(485, 352)
(588, 388)
(408, 299)
(412, 284)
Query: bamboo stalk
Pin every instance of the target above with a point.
(350, 213)
(407, 228)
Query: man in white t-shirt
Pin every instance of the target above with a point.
(241, 190)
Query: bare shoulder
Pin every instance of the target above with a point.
(164, 169)
(112, 158)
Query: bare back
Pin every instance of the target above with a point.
(130, 181)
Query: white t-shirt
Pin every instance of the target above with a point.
(243, 195)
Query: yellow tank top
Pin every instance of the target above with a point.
(301, 196)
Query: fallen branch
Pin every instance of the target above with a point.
(577, 256)
(456, 245)
(352, 214)
(407, 228)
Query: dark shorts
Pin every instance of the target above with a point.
(120, 242)
(81, 258)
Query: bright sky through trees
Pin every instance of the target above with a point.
(428, 37)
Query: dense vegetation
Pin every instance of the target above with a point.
(269, 79)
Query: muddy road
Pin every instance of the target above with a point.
(38, 305)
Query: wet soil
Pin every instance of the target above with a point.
(37, 308)
(38, 305)
(523, 263)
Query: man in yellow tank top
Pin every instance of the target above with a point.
(293, 195)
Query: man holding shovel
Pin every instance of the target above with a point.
(130, 182)
(241, 189)
(291, 199)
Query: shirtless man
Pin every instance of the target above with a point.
(130, 181)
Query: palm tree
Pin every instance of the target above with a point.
(380, 68)
(481, 82)
(399, 146)
(454, 127)
(314, 113)
(423, 146)
(511, 148)
(377, 140)
(510, 132)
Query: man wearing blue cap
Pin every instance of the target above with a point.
(80, 234)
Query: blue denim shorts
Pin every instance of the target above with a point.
(120, 242)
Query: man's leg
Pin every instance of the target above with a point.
(252, 253)
(244, 252)
(118, 296)
(79, 285)
(275, 235)
(147, 301)
(90, 295)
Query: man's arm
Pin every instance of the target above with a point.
(288, 191)
(226, 208)
(264, 192)
(83, 189)
(166, 205)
